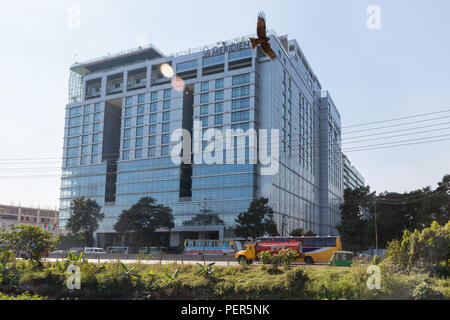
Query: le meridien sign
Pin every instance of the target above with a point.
(217, 51)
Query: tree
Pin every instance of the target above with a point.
(85, 218)
(353, 226)
(310, 234)
(297, 232)
(143, 219)
(257, 221)
(32, 240)
(428, 247)
(204, 219)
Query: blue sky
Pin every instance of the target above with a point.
(399, 70)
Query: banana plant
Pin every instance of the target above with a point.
(127, 273)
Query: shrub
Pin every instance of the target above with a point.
(207, 271)
(265, 257)
(296, 281)
(287, 256)
(424, 291)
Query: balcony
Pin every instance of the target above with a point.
(93, 88)
(114, 83)
(114, 88)
(137, 79)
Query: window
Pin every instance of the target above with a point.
(126, 133)
(128, 111)
(209, 61)
(97, 117)
(140, 120)
(154, 96)
(126, 144)
(87, 109)
(242, 126)
(86, 119)
(139, 131)
(153, 118)
(218, 119)
(84, 139)
(85, 129)
(203, 110)
(128, 101)
(240, 116)
(166, 116)
(240, 104)
(165, 139)
(188, 65)
(72, 151)
(127, 122)
(241, 79)
(96, 127)
(166, 127)
(204, 121)
(75, 111)
(138, 154)
(72, 162)
(240, 54)
(138, 143)
(95, 148)
(97, 107)
(165, 150)
(204, 98)
(96, 138)
(74, 131)
(141, 98)
(219, 83)
(152, 129)
(84, 150)
(218, 107)
(167, 93)
(219, 95)
(152, 141)
(85, 160)
(140, 109)
(126, 155)
(153, 107)
(75, 121)
(152, 152)
(166, 105)
(241, 91)
(204, 86)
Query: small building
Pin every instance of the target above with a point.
(12, 216)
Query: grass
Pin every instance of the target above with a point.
(237, 282)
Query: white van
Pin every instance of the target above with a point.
(94, 251)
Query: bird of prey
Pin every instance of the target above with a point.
(262, 39)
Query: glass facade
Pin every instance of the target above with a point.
(124, 152)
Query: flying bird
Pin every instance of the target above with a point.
(262, 39)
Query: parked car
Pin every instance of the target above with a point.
(88, 250)
(76, 250)
(123, 250)
(58, 252)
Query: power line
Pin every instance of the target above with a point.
(396, 125)
(395, 131)
(399, 135)
(395, 119)
(398, 145)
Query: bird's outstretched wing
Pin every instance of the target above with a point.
(267, 49)
(261, 26)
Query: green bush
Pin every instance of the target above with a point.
(424, 291)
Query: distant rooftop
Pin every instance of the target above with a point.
(149, 52)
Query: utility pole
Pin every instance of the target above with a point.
(204, 210)
(376, 228)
